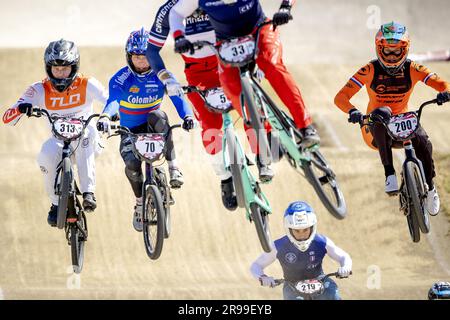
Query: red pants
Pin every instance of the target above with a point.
(270, 61)
(203, 73)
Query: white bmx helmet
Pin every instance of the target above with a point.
(300, 215)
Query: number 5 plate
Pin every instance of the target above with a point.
(309, 286)
(217, 101)
(150, 146)
(403, 125)
(237, 51)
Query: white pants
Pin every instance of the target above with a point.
(86, 148)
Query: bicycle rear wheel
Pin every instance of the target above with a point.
(324, 182)
(261, 220)
(77, 241)
(416, 190)
(65, 181)
(153, 222)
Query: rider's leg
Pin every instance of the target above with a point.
(424, 152)
(270, 61)
(331, 291)
(133, 171)
(383, 142)
(289, 293)
(158, 122)
(204, 74)
(85, 158)
(48, 159)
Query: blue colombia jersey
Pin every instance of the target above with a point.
(195, 24)
(233, 18)
(134, 97)
(299, 265)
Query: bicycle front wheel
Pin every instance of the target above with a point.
(261, 220)
(153, 222)
(65, 181)
(77, 241)
(319, 174)
(416, 190)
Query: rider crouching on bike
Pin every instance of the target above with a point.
(301, 253)
(390, 80)
(136, 93)
(201, 71)
(237, 18)
(64, 92)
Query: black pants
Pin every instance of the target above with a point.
(157, 122)
(421, 143)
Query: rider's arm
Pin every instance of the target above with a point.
(182, 106)
(97, 90)
(262, 262)
(339, 255)
(359, 79)
(158, 35)
(183, 9)
(431, 79)
(32, 95)
(115, 93)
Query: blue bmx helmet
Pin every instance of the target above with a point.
(300, 215)
(137, 43)
(439, 290)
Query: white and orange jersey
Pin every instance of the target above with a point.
(76, 101)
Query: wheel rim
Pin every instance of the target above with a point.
(150, 220)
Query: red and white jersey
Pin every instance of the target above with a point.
(76, 101)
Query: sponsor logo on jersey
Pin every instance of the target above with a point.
(85, 143)
(246, 8)
(162, 14)
(10, 115)
(219, 3)
(30, 92)
(134, 89)
(141, 100)
(290, 257)
(65, 102)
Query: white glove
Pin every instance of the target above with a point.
(267, 281)
(259, 75)
(344, 272)
(173, 88)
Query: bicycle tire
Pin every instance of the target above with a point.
(261, 221)
(165, 195)
(77, 245)
(416, 191)
(65, 182)
(153, 215)
(235, 168)
(332, 199)
(256, 122)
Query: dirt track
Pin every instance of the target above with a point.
(210, 250)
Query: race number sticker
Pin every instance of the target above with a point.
(68, 128)
(403, 125)
(237, 50)
(150, 146)
(217, 100)
(309, 286)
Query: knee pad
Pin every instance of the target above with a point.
(133, 175)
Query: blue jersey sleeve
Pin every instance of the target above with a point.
(182, 106)
(115, 93)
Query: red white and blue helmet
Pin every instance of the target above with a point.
(137, 44)
(300, 215)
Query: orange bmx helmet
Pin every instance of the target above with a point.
(392, 45)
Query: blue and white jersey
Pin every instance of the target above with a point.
(197, 26)
(229, 18)
(298, 265)
(134, 97)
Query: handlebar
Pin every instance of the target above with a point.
(37, 113)
(320, 278)
(125, 130)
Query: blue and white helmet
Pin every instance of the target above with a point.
(137, 43)
(300, 215)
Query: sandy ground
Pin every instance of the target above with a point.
(210, 249)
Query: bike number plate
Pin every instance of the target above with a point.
(309, 286)
(403, 125)
(68, 128)
(238, 50)
(150, 146)
(217, 100)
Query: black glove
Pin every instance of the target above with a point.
(355, 116)
(188, 123)
(183, 45)
(282, 16)
(115, 117)
(442, 98)
(25, 108)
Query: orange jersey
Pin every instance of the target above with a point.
(76, 101)
(386, 90)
